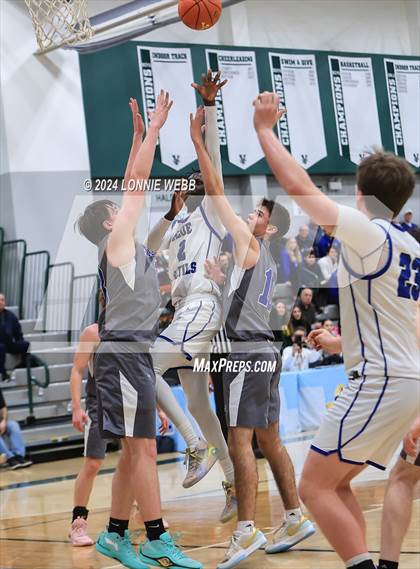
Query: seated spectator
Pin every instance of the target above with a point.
(11, 441)
(310, 274)
(299, 356)
(407, 220)
(313, 230)
(328, 264)
(331, 327)
(306, 305)
(11, 337)
(279, 322)
(290, 262)
(297, 320)
(304, 240)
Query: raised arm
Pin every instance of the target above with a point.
(208, 91)
(138, 132)
(246, 249)
(155, 239)
(289, 174)
(121, 247)
(89, 339)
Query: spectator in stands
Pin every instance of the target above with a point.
(328, 264)
(11, 337)
(290, 262)
(279, 320)
(303, 238)
(331, 328)
(297, 320)
(407, 221)
(12, 444)
(323, 242)
(306, 305)
(313, 230)
(299, 356)
(310, 274)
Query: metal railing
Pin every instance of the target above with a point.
(58, 298)
(13, 272)
(85, 303)
(35, 283)
(34, 361)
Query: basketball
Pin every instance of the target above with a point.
(200, 14)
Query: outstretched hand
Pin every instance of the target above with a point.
(209, 87)
(196, 124)
(158, 117)
(267, 111)
(213, 271)
(138, 123)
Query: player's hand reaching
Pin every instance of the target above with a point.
(214, 272)
(209, 87)
(323, 340)
(412, 438)
(196, 123)
(177, 203)
(164, 421)
(138, 123)
(158, 117)
(267, 111)
(79, 419)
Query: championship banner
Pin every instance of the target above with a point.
(355, 105)
(235, 110)
(301, 129)
(170, 69)
(403, 84)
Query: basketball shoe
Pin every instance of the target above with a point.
(231, 508)
(113, 545)
(163, 552)
(242, 545)
(289, 534)
(78, 533)
(199, 461)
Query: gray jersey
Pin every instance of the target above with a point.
(247, 299)
(132, 298)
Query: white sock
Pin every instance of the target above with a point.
(246, 527)
(167, 401)
(358, 559)
(293, 516)
(227, 467)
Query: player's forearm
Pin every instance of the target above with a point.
(296, 181)
(155, 238)
(143, 161)
(213, 185)
(212, 140)
(135, 147)
(76, 379)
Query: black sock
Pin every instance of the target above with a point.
(154, 529)
(80, 512)
(117, 526)
(368, 564)
(383, 564)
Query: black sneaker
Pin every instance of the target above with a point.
(5, 376)
(13, 463)
(25, 462)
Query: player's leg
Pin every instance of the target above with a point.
(347, 496)
(397, 510)
(295, 527)
(321, 477)
(95, 448)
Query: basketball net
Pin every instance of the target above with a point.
(59, 22)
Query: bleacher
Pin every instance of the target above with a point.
(52, 305)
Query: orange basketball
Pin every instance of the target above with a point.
(199, 14)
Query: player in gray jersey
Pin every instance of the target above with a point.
(123, 369)
(378, 277)
(251, 380)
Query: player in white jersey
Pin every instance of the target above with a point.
(191, 240)
(379, 279)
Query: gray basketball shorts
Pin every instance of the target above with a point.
(126, 391)
(252, 397)
(95, 445)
